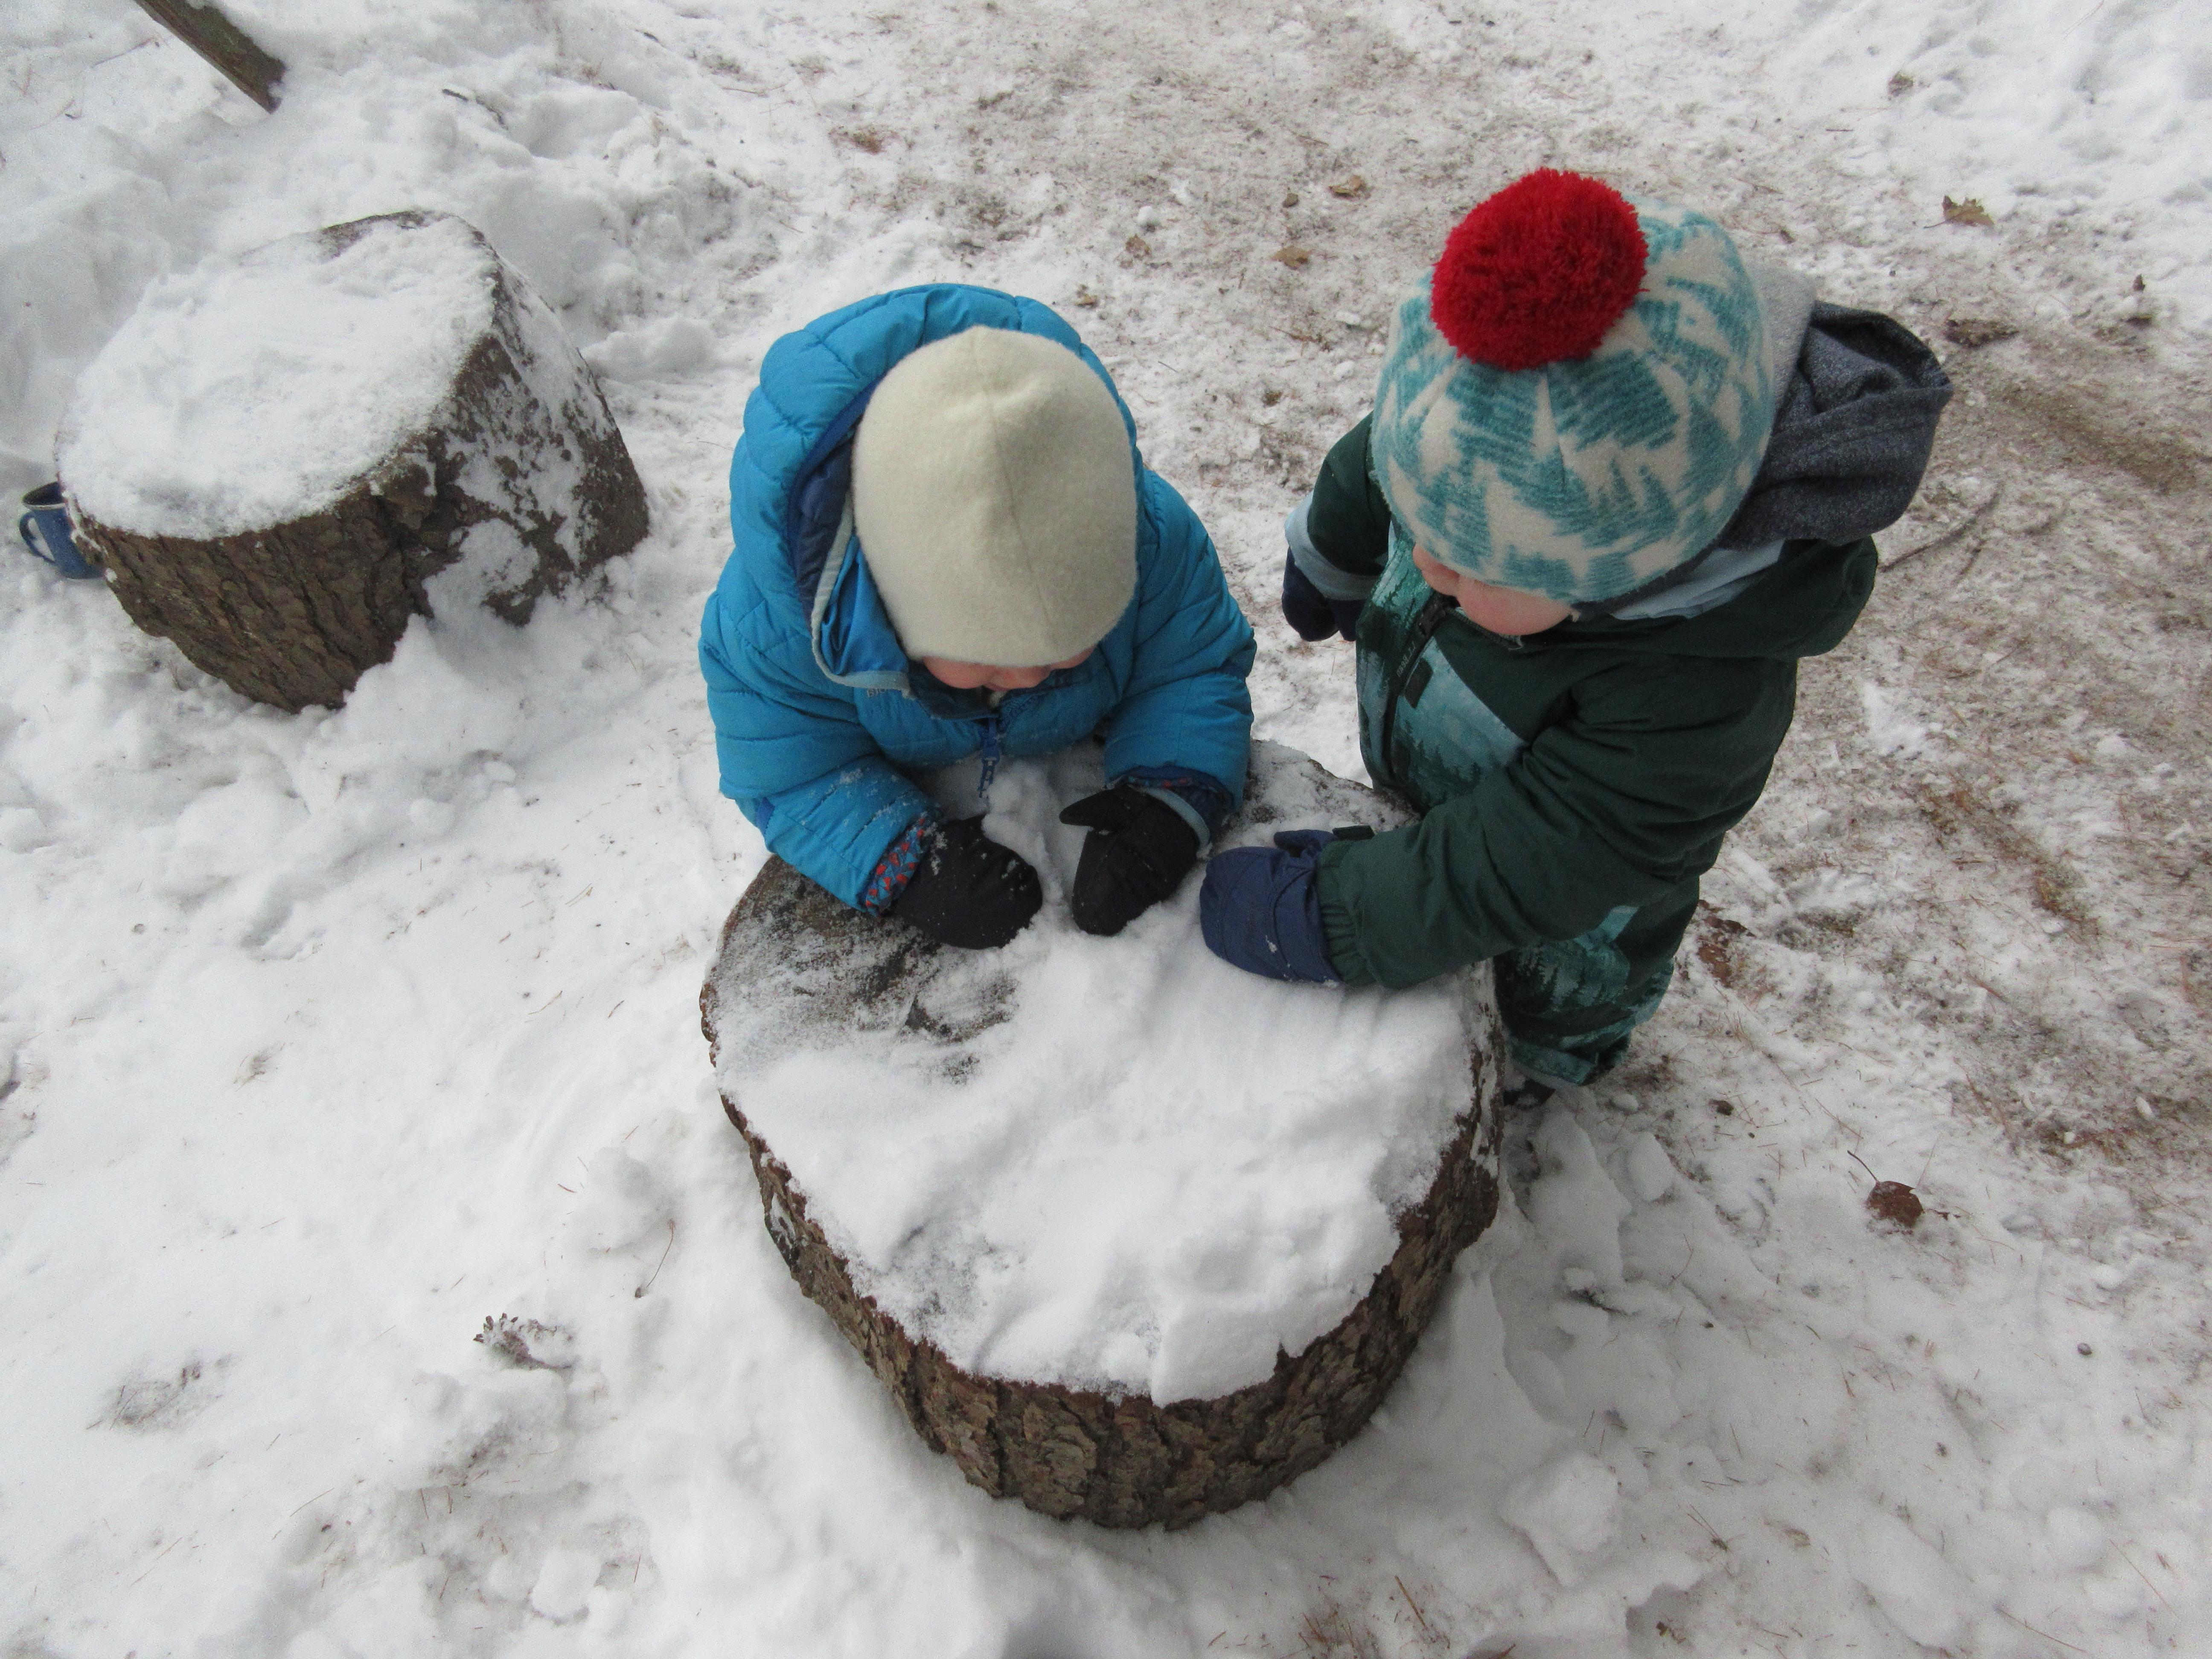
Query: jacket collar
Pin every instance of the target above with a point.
(854, 641)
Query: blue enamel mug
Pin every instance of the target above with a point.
(45, 528)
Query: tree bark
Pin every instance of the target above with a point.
(293, 613)
(795, 959)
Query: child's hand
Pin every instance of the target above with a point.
(1310, 611)
(1138, 851)
(967, 889)
(1259, 910)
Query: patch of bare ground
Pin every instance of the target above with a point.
(2013, 745)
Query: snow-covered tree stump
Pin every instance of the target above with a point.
(276, 453)
(1127, 1234)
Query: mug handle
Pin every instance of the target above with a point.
(23, 529)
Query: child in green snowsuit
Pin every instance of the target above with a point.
(1617, 481)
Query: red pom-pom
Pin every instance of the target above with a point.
(1539, 273)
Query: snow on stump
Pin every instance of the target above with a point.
(276, 453)
(1128, 1234)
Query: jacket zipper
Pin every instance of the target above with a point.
(990, 760)
(1425, 624)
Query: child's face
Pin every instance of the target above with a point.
(983, 677)
(1500, 610)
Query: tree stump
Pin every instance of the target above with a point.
(797, 971)
(278, 454)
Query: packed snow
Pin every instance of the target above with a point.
(326, 1038)
(247, 392)
(1137, 1170)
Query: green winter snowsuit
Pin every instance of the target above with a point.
(1574, 784)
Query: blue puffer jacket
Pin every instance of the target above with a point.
(817, 713)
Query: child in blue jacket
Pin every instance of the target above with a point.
(946, 546)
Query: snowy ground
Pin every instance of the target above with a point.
(323, 1037)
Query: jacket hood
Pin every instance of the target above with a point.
(1852, 433)
(790, 478)
(1854, 425)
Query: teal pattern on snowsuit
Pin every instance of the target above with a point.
(1573, 784)
(1568, 1004)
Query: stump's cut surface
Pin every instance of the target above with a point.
(798, 970)
(278, 454)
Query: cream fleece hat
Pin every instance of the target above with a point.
(994, 493)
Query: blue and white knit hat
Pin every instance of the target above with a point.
(1579, 401)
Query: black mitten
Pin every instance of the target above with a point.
(967, 889)
(1138, 850)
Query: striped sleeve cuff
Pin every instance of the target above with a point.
(1333, 583)
(896, 866)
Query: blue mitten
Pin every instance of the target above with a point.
(1259, 911)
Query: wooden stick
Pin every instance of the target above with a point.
(223, 44)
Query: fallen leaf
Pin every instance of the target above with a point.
(1968, 212)
(1137, 248)
(1974, 331)
(1290, 199)
(1895, 1202)
(1717, 945)
(1901, 83)
(1295, 256)
(1085, 298)
(1349, 189)
(2197, 977)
